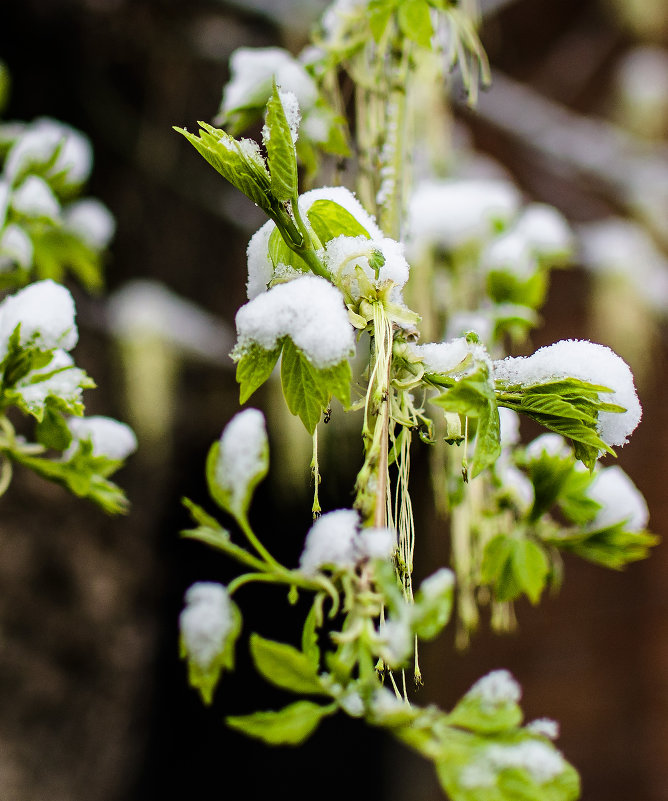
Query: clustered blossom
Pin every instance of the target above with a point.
(205, 622)
(336, 541)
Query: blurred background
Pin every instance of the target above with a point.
(95, 704)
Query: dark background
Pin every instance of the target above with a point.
(95, 705)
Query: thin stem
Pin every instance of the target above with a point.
(5, 474)
(259, 547)
(315, 472)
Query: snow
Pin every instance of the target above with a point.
(109, 437)
(37, 145)
(91, 221)
(336, 18)
(15, 248)
(438, 584)
(68, 383)
(309, 310)
(345, 198)
(292, 113)
(463, 322)
(396, 640)
(549, 444)
(344, 253)
(143, 309)
(545, 727)
(510, 253)
(620, 499)
(445, 357)
(459, 212)
(540, 760)
(330, 542)
(4, 201)
(205, 622)
(586, 361)
(510, 427)
(46, 312)
(545, 230)
(375, 543)
(252, 71)
(34, 198)
(243, 455)
(260, 267)
(496, 688)
(623, 248)
(336, 540)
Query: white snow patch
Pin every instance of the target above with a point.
(496, 688)
(109, 437)
(252, 71)
(243, 455)
(35, 387)
(458, 212)
(620, 499)
(35, 198)
(260, 267)
(15, 248)
(545, 230)
(92, 221)
(330, 542)
(545, 727)
(588, 362)
(309, 310)
(205, 622)
(345, 198)
(46, 312)
(445, 357)
(549, 444)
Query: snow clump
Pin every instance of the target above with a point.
(586, 361)
(620, 499)
(309, 310)
(242, 456)
(336, 540)
(45, 311)
(109, 437)
(205, 622)
(496, 688)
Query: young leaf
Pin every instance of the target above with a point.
(289, 726)
(281, 253)
(52, 431)
(307, 389)
(84, 475)
(310, 647)
(239, 162)
(488, 713)
(330, 220)
(254, 367)
(285, 666)
(433, 604)
(281, 155)
(531, 568)
(415, 22)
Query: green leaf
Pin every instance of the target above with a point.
(310, 647)
(307, 389)
(473, 396)
(52, 431)
(476, 713)
(472, 768)
(496, 556)
(433, 605)
(254, 367)
(330, 220)
(415, 22)
(281, 154)
(285, 666)
(227, 490)
(84, 475)
(281, 253)
(239, 162)
(205, 678)
(289, 726)
(531, 568)
(379, 14)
